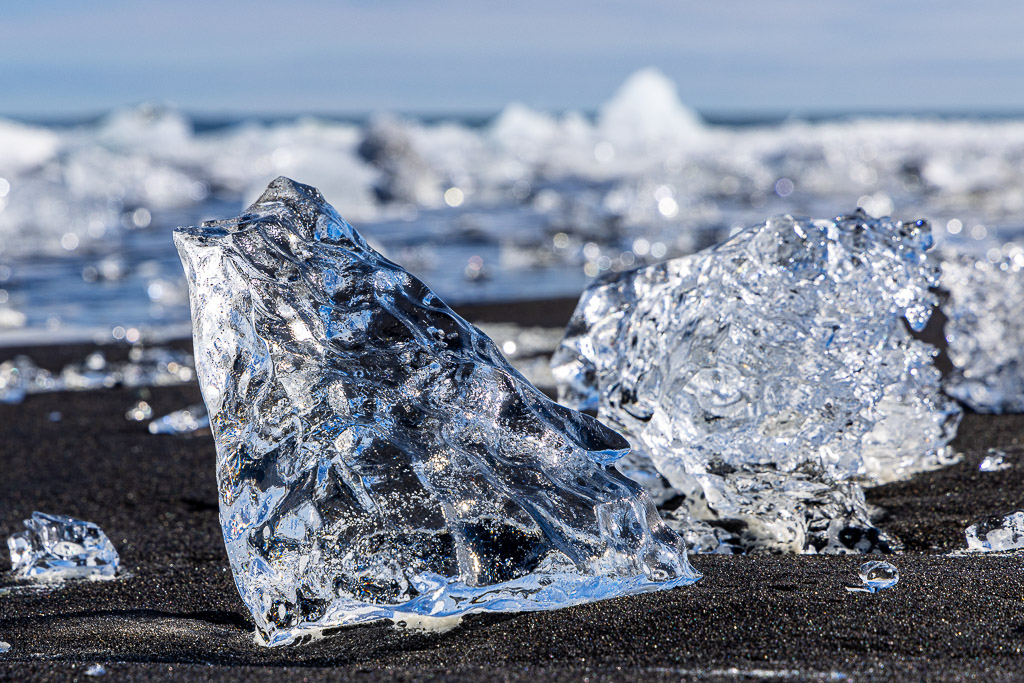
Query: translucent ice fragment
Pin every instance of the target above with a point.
(376, 454)
(984, 331)
(139, 411)
(994, 461)
(765, 378)
(997, 533)
(96, 670)
(56, 547)
(876, 576)
(184, 421)
(4, 646)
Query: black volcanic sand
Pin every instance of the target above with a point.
(177, 613)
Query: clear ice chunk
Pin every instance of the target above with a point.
(96, 670)
(57, 547)
(4, 646)
(377, 455)
(184, 421)
(763, 380)
(876, 576)
(984, 330)
(997, 533)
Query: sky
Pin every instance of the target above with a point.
(63, 59)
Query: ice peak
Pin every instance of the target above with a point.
(646, 108)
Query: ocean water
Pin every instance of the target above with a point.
(527, 204)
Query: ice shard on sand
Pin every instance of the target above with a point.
(767, 377)
(376, 454)
(58, 547)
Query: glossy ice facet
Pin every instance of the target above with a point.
(56, 547)
(997, 533)
(376, 454)
(766, 377)
(984, 331)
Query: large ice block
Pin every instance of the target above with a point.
(765, 377)
(997, 533)
(376, 454)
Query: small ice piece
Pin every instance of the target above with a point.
(876, 576)
(993, 461)
(377, 456)
(768, 377)
(184, 421)
(56, 547)
(984, 329)
(139, 412)
(96, 670)
(997, 533)
(4, 646)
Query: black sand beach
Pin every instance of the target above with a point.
(177, 613)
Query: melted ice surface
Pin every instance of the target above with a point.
(765, 377)
(377, 456)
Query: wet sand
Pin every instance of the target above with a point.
(178, 615)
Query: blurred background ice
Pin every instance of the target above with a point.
(499, 154)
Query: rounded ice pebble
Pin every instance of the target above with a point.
(878, 575)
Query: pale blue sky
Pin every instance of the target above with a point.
(62, 58)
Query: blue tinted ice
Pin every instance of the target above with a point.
(57, 547)
(876, 576)
(376, 454)
(761, 380)
(146, 366)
